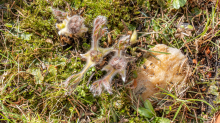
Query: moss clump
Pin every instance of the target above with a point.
(115, 11)
(37, 18)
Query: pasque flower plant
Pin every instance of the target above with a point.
(117, 64)
(95, 55)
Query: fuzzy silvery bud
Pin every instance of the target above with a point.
(99, 27)
(60, 15)
(96, 88)
(99, 21)
(73, 25)
(118, 63)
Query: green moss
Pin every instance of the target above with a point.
(114, 11)
(37, 18)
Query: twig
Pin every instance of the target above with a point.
(74, 106)
(125, 26)
(148, 33)
(195, 115)
(90, 79)
(216, 63)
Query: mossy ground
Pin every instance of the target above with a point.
(34, 62)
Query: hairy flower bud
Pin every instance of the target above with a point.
(118, 63)
(99, 30)
(96, 56)
(74, 24)
(100, 20)
(123, 41)
(60, 15)
(96, 88)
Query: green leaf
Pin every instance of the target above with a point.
(153, 51)
(145, 112)
(178, 3)
(158, 52)
(62, 62)
(135, 75)
(154, 56)
(8, 25)
(5, 117)
(163, 120)
(190, 27)
(196, 11)
(161, 3)
(155, 26)
(213, 89)
(182, 26)
(217, 100)
(202, 101)
(148, 105)
(25, 36)
(53, 70)
(177, 112)
(86, 46)
(37, 75)
(148, 5)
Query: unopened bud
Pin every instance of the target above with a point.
(118, 63)
(60, 15)
(74, 24)
(133, 39)
(100, 20)
(109, 39)
(96, 88)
